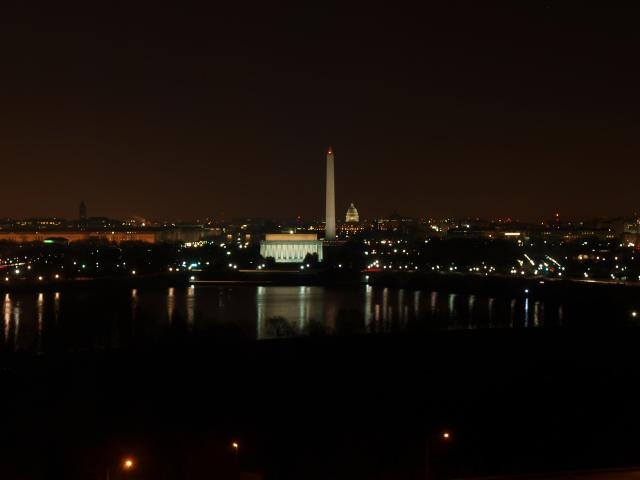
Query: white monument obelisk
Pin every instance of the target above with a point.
(330, 201)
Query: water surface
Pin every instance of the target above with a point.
(117, 318)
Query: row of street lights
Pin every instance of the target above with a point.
(128, 463)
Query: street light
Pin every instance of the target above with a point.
(236, 459)
(127, 464)
(434, 444)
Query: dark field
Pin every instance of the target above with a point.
(352, 407)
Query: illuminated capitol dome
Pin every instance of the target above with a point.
(352, 214)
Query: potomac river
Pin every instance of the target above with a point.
(77, 319)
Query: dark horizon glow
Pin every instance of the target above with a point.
(432, 111)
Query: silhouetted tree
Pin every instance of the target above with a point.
(279, 327)
(311, 259)
(314, 328)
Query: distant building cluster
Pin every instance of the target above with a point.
(102, 229)
(604, 248)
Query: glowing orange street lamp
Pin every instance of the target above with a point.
(128, 464)
(235, 446)
(436, 443)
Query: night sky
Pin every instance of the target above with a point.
(472, 108)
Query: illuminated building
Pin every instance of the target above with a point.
(78, 236)
(330, 200)
(290, 247)
(398, 224)
(352, 214)
(38, 223)
(351, 228)
(351, 223)
(109, 235)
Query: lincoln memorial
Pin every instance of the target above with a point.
(290, 247)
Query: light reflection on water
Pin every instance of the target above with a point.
(171, 303)
(191, 303)
(44, 321)
(40, 308)
(6, 308)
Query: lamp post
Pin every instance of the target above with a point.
(236, 446)
(127, 464)
(433, 442)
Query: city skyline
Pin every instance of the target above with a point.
(192, 112)
(341, 218)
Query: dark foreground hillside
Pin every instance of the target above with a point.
(351, 407)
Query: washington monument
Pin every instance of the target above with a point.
(330, 201)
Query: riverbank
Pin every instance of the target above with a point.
(442, 281)
(96, 283)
